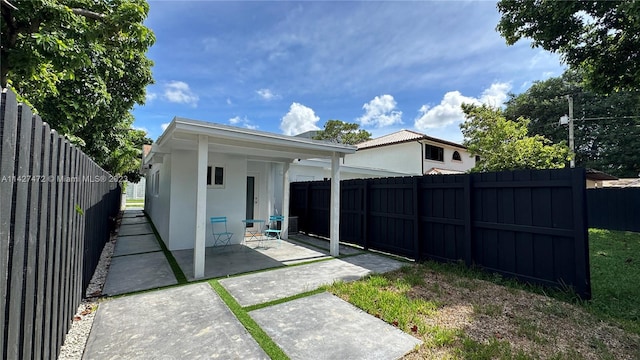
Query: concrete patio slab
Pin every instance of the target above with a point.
(253, 256)
(136, 244)
(134, 220)
(276, 284)
(323, 326)
(187, 322)
(138, 272)
(323, 244)
(135, 229)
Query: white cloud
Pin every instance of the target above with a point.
(229, 102)
(381, 112)
(298, 120)
(449, 110)
(179, 92)
(267, 94)
(164, 126)
(149, 96)
(244, 122)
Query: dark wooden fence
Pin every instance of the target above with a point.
(530, 225)
(614, 208)
(55, 204)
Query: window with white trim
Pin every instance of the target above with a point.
(215, 176)
(432, 152)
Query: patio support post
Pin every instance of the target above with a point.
(285, 202)
(334, 215)
(201, 207)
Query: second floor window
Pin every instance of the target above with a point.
(432, 152)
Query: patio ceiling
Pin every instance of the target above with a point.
(182, 134)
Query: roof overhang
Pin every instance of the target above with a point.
(182, 134)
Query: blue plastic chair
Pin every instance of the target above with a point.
(272, 230)
(221, 236)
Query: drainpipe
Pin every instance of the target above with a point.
(421, 157)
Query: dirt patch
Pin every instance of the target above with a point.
(537, 325)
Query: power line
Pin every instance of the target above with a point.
(610, 118)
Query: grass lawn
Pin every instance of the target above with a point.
(462, 313)
(135, 203)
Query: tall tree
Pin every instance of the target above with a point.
(342, 132)
(503, 144)
(82, 65)
(602, 38)
(608, 142)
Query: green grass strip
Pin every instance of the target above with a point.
(177, 271)
(261, 337)
(283, 300)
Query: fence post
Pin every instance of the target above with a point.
(468, 230)
(416, 219)
(365, 214)
(578, 186)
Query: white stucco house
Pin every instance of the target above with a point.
(412, 153)
(196, 170)
(402, 153)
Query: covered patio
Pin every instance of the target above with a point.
(198, 170)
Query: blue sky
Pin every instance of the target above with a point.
(288, 67)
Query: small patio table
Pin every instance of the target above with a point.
(255, 231)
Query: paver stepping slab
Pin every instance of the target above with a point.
(132, 213)
(187, 322)
(136, 244)
(138, 272)
(280, 283)
(135, 229)
(324, 326)
(134, 220)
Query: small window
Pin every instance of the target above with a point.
(215, 176)
(477, 158)
(432, 152)
(456, 156)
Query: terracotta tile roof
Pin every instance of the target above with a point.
(401, 137)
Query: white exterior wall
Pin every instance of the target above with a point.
(157, 205)
(403, 157)
(228, 201)
(465, 164)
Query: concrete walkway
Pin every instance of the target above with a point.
(138, 262)
(191, 321)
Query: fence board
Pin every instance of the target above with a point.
(8, 136)
(44, 242)
(39, 332)
(614, 208)
(31, 244)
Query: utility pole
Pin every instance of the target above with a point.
(571, 144)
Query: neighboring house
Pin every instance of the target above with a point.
(595, 178)
(412, 153)
(622, 183)
(196, 170)
(403, 153)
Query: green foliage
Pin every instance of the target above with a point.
(505, 145)
(82, 65)
(341, 132)
(598, 37)
(607, 144)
